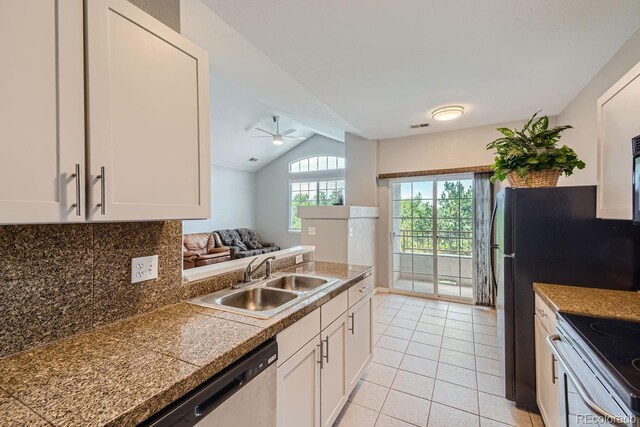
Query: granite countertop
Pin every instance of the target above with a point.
(623, 305)
(122, 373)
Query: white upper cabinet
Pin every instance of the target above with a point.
(41, 112)
(618, 113)
(148, 115)
(145, 152)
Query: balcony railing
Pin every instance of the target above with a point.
(450, 242)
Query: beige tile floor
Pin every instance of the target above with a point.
(435, 364)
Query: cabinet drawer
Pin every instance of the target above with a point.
(360, 290)
(297, 335)
(331, 310)
(546, 315)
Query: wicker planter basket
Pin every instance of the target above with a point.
(544, 178)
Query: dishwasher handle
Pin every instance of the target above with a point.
(580, 388)
(214, 400)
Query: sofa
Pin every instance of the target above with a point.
(202, 249)
(244, 242)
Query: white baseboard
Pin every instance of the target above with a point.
(379, 290)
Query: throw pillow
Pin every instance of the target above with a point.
(253, 244)
(240, 245)
(249, 238)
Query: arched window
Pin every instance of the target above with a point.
(316, 163)
(314, 181)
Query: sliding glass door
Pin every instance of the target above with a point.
(432, 236)
(413, 237)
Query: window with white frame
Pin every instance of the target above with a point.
(314, 181)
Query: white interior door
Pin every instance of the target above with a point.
(148, 110)
(41, 112)
(432, 236)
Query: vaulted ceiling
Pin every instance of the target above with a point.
(376, 66)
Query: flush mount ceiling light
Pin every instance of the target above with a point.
(450, 112)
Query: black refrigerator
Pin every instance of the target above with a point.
(551, 235)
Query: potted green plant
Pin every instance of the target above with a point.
(530, 157)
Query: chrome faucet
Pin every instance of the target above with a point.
(249, 270)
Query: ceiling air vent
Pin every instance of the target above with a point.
(420, 125)
(253, 159)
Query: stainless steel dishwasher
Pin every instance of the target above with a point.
(242, 395)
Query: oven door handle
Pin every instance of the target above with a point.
(582, 392)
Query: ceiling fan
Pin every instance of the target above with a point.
(278, 137)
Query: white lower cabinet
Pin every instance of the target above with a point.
(298, 400)
(315, 381)
(546, 374)
(360, 340)
(333, 379)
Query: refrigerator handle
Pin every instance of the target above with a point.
(492, 247)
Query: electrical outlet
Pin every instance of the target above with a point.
(299, 259)
(350, 231)
(144, 268)
(311, 231)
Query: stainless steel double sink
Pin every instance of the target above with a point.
(267, 297)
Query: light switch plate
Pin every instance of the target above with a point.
(299, 259)
(350, 231)
(144, 268)
(311, 231)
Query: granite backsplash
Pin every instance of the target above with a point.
(61, 280)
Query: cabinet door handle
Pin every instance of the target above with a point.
(321, 362)
(77, 204)
(580, 388)
(363, 288)
(353, 323)
(541, 312)
(553, 369)
(102, 205)
(326, 356)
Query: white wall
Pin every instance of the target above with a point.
(361, 172)
(452, 149)
(582, 114)
(272, 190)
(233, 200)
